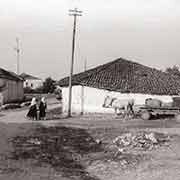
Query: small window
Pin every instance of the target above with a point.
(31, 84)
(26, 83)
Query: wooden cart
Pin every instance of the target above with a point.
(147, 112)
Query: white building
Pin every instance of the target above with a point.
(31, 81)
(120, 78)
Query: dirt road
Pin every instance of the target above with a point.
(67, 137)
(19, 115)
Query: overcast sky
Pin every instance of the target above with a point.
(145, 31)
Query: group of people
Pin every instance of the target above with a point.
(37, 110)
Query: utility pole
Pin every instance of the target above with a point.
(17, 49)
(75, 12)
(82, 91)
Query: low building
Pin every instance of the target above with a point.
(120, 78)
(31, 81)
(11, 87)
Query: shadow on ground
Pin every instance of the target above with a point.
(162, 116)
(60, 147)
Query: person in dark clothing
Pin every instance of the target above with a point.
(42, 109)
(32, 113)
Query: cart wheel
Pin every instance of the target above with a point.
(146, 115)
(177, 117)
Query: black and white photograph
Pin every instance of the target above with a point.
(89, 90)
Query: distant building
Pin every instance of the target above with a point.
(11, 87)
(31, 81)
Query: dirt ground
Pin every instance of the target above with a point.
(64, 149)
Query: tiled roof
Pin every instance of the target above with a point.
(9, 75)
(126, 77)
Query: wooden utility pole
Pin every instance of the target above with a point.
(82, 92)
(17, 49)
(73, 13)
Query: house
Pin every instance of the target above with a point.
(31, 81)
(11, 87)
(120, 78)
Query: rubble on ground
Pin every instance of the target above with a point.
(64, 148)
(140, 140)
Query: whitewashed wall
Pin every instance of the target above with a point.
(1, 99)
(33, 83)
(94, 99)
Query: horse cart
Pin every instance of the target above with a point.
(152, 107)
(173, 109)
(147, 112)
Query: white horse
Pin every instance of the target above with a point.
(119, 104)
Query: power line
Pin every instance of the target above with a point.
(75, 12)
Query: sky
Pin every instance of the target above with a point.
(140, 30)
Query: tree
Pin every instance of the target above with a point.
(49, 85)
(173, 70)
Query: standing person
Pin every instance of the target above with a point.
(32, 113)
(42, 108)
